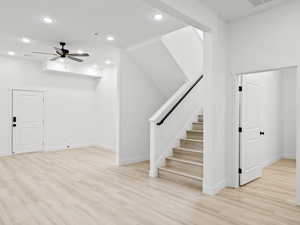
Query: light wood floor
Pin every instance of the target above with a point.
(84, 187)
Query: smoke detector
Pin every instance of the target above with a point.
(259, 2)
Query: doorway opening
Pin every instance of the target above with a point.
(267, 129)
(27, 121)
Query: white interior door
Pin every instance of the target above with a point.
(250, 137)
(28, 121)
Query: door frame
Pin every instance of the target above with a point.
(234, 156)
(12, 113)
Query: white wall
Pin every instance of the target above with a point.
(272, 37)
(265, 41)
(106, 109)
(69, 104)
(186, 47)
(289, 82)
(155, 59)
(139, 98)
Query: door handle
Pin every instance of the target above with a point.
(14, 125)
(261, 133)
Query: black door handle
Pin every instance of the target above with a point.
(262, 133)
(14, 125)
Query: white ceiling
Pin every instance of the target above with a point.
(234, 9)
(76, 21)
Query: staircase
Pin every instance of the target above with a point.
(187, 159)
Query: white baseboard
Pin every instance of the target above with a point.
(213, 190)
(153, 173)
(132, 160)
(50, 148)
(65, 147)
(290, 156)
(5, 154)
(106, 147)
(274, 159)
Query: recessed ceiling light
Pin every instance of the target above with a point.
(62, 60)
(11, 53)
(158, 17)
(25, 40)
(108, 62)
(110, 38)
(47, 20)
(95, 66)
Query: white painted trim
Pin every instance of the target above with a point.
(135, 159)
(144, 43)
(233, 159)
(298, 137)
(49, 148)
(30, 89)
(5, 154)
(213, 190)
(289, 156)
(106, 147)
(272, 161)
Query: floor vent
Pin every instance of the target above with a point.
(259, 2)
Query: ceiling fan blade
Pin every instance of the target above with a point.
(79, 54)
(59, 51)
(43, 53)
(75, 59)
(55, 58)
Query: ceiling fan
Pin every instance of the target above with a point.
(64, 53)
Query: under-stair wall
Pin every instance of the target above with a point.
(155, 59)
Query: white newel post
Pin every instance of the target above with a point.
(153, 144)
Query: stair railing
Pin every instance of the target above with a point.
(179, 101)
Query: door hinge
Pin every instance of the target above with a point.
(240, 171)
(240, 129)
(240, 88)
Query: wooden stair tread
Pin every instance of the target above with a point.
(193, 140)
(169, 170)
(195, 131)
(201, 123)
(188, 150)
(185, 161)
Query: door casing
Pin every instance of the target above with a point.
(234, 156)
(12, 111)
